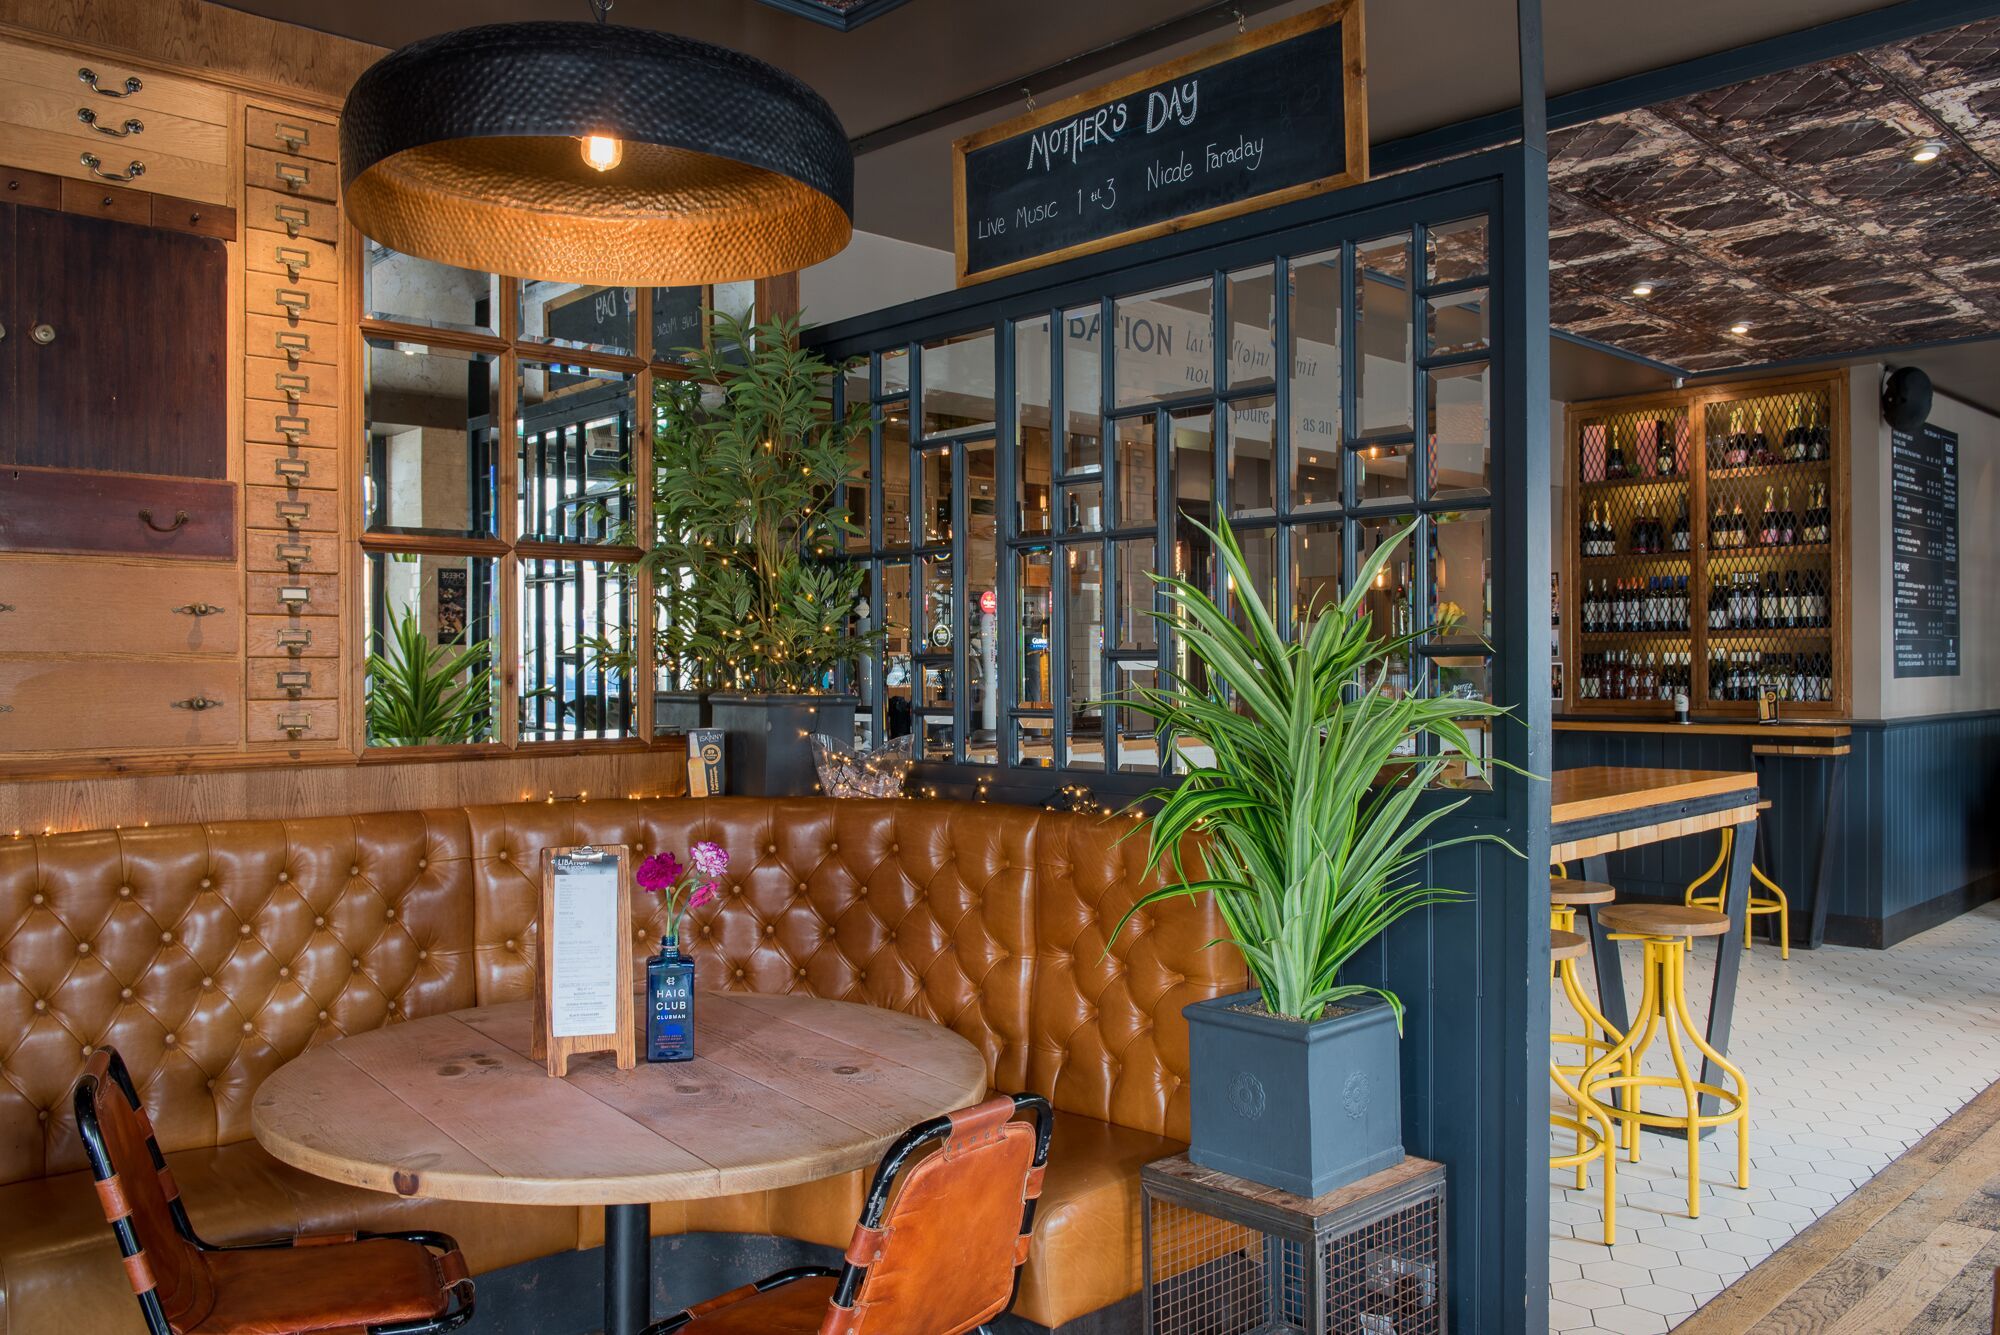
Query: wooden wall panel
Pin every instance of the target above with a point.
(29, 806)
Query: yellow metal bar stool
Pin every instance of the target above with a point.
(1565, 898)
(1760, 905)
(1668, 933)
(1596, 1138)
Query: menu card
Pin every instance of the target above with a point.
(583, 948)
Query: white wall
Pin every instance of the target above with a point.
(874, 271)
(1878, 692)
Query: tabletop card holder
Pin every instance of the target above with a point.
(583, 975)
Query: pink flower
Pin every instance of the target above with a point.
(659, 872)
(709, 859)
(703, 894)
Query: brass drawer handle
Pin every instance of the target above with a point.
(89, 78)
(197, 704)
(294, 346)
(293, 137)
(295, 176)
(291, 427)
(296, 302)
(132, 126)
(293, 472)
(6, 607)
(294, 596)
(295, 641)
(295, 219)
(294, 513)
(295, 684)
(294, 387)
(294, 261)
(295, 725)
(199, 610)
(180, 521)
(96, 164)
(294, 555)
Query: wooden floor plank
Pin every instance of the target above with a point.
(1913, 1250)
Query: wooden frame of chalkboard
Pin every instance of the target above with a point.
(612, 966)
(1353, 84)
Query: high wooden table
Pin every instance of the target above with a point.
(1603, 809)
(783, 1090)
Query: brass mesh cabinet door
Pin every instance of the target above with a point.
(1224, 1256)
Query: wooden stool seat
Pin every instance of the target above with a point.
(1567, 945)
(1662, 920)
(1574, 894)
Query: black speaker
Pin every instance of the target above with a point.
(1906, 398)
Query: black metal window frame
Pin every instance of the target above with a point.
(1343, 223)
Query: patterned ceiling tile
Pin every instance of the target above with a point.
(1789, 201)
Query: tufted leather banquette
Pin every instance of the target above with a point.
(210, 955)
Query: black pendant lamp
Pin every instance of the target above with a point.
(592, 153)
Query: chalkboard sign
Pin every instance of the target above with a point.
(1923, 468)
(607, 317)
(1272, 116)
(676, 322)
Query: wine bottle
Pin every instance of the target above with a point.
(1663, 448)
(1788, 604)
(1767, 528)
(1788, 522)
(1739, 527)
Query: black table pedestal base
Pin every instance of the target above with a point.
(628, 1268)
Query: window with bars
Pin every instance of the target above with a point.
(1027, 479)
(503, 430)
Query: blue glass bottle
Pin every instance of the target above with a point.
(670, 1004)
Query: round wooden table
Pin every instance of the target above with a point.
(783, 1090)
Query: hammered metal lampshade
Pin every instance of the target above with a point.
(470, 149)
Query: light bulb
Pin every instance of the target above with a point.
(1930, 150)
(601, 152)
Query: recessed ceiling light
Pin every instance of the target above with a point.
(1740, 327)
(1643, 288)
(1928, 151)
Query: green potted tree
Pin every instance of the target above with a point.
(419, 693)
(1303, 813)
(754, 612)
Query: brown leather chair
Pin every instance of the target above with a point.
(381, 1284)
(939, 1247)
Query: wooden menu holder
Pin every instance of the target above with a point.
(596, 972)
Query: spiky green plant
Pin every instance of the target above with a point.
(1312, 821)
(419, 693)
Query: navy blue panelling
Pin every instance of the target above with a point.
(1916, 814)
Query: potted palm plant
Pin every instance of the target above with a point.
(420, 693)
(1307, 800)
(751, 468)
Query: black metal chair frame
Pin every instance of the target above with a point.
(85, 1098)
(897, 1158)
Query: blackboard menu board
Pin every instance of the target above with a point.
(604, 317)
(1923, 468)
(1272, 116)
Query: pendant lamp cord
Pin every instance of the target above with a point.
(601, 8)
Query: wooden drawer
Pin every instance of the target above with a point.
(293, 679)
(280, 424)
(294, 721)
(110, 607)
(304, 469)
(108, 127)
(58, 510)
(274, 252)
(290, 216)
(278, 636)
(191, 215)
(107, 201)
(160, 171)
(307, 301)
(36, 189)
(275, 380)
(63, 71)
(289, 133)
(119, 705)
(279, 337)
(287, 511)
(315, 553)
(267, 594)
(297, 178)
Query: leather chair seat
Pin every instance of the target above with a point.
(1085, 1252)
(59, 1264)
(290, 1290)
(797, 1308)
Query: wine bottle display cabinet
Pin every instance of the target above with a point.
(1707, 550)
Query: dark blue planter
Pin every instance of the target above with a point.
(1302, 1107)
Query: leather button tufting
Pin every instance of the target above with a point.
(246, 1026)
(284, 876)
(354, 871)
(423, 954)
(390, 916)
(124, 994)
(169, 1040)
(244, 930)
(41, 1005)
(284, 972)
(769, 928)
(319, 922)
(206, 883)
(322, 1017)
(512, 944)
(423, 863)
(503, 855)
(83, 947)
(355, 962)
(166, 938)
(41, 899)
(208, 982)
(124, 892)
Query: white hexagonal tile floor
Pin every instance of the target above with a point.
(1851, 1057)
